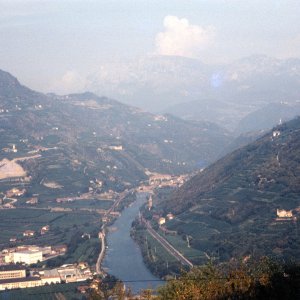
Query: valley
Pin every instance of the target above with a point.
(245, 205)
(70, 165)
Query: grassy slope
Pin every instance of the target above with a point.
(230, 208)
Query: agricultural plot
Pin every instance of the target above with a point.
(87, 204)
(50, 292)
(182, 246)
(65, 228)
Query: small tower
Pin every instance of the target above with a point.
(150, 203)
(188, 241)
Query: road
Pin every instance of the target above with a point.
(174, 252)
(117, 202)
(102, 252)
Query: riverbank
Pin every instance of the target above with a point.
(155, 257)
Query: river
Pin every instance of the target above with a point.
(123, 257)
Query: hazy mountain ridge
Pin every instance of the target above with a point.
(230, 209)
(188, 88)
(80, 137)
(268, 116)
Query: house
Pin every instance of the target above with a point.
(60, 249)
(33, 200)
(86, 235)
(14, 149)
(95, 284)
(276, 133)
(281, 213)
(45, 229)
(116, 148)
(161, 221)
(29, 233)
(15, 192)
(170, 216)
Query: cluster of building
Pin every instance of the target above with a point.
(286, 215)
(13, 149)
(31, 233)
(161, 180)
(30, 254)
(14, 192)
(16, 276)
(32, 201)
(162, 220)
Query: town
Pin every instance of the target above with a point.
(21, 263)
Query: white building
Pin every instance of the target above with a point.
(276, 133)
(50, 277)
(27, 257)
(281, 213)
(161, 221)
(170, 216)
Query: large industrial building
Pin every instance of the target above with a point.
(14, 276)
(27, 257)
(12, 271)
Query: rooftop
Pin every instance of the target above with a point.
(12, 280)
(4, 268)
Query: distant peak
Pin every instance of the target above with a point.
(7, 78)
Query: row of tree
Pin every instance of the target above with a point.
(265, 279)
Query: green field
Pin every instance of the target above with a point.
(181, 245)
(59, 291)
(157, 259)
(65, 228)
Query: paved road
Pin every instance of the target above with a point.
(101, 254)
(174, 252)
(117, 202)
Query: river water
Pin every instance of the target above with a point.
(123, 258)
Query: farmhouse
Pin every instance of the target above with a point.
(170, 216)
(281, 213)
(15, 192)
(29, 233)
(161, 221)
(45, 229)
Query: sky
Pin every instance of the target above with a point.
(48, 43)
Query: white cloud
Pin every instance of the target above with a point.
(181, 38)
(292, 47)
(70, 82)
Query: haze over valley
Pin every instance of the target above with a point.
(149, 150)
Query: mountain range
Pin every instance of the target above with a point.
(77, 138)
(245, 204)
(223, 94)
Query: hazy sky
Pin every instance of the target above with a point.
(41, 41)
